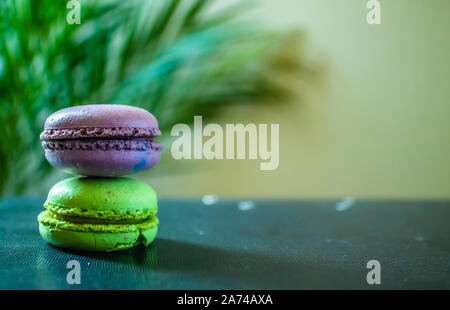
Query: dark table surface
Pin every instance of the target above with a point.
(271, 245)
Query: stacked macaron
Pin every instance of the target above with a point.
(99, 210)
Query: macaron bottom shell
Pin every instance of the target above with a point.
(97, 241)
(112, 163)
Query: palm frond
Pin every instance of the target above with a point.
(171, 57)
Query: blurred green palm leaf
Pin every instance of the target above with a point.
(175, 58)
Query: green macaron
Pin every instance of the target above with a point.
(99, 214)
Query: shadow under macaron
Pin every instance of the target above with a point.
(223, 268)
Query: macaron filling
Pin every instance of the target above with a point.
(51, 220)
(87, 220)
(104, 145)
(101, 138)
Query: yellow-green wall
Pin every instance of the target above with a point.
(376, 126)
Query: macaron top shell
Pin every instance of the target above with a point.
(101, 116)
(102, 198)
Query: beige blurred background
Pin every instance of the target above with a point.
(376, 126)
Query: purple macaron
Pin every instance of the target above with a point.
(102, 140)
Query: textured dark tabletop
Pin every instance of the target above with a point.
(268, 245)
